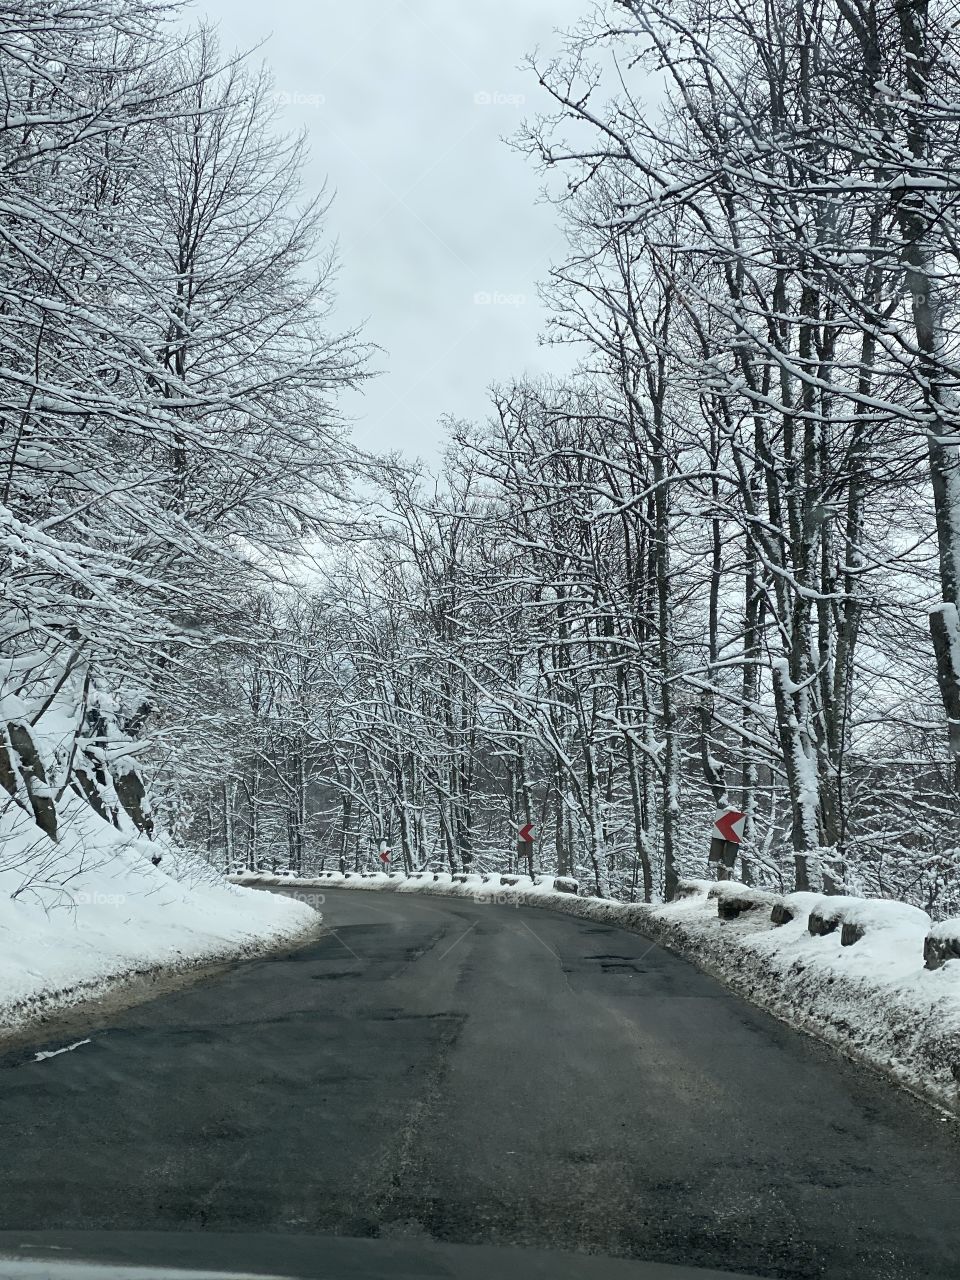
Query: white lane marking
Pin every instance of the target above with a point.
(53, 1053)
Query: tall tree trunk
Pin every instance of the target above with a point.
(919, 233)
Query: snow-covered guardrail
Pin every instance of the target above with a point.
(904, 927)
(733, 900)
(942, 944)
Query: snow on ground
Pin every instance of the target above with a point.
(82, 917)
(872, 999)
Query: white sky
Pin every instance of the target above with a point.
(406, 103)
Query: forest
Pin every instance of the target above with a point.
(715, 568)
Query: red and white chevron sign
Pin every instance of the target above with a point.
(729, 826)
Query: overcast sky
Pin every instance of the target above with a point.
(441, 236)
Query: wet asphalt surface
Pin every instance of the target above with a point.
(471, 1073)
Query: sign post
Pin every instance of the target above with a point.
(525, 846)
(725, 839)
(384, 854)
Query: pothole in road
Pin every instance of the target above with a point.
(403, 1015)
(618, 964)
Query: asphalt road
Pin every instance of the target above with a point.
(473, 1073)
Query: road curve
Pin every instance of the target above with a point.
(477, 1073)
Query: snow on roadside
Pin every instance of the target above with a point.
(83, 917)
(873, 999)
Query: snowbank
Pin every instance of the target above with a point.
(87, 915)
(862, 985)
(850, 971)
